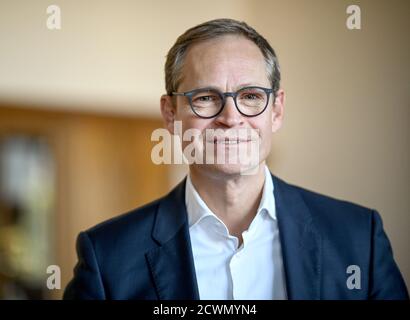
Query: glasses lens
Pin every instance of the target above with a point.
(251, 101)
(206, 103)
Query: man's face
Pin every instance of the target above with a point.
(227, 63)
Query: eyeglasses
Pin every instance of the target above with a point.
(209, 102)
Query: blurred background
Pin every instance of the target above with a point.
(78, 106)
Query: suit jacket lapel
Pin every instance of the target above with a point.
(300, 242)
(171, 263)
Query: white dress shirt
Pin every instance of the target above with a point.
(224, 271)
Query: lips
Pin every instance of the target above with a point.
(229, 141)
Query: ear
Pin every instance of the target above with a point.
(277, 112)
(168, 111)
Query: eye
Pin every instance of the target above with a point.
(205, 98)
(250, 96)
(253, 94)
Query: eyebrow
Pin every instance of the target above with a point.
(241, 86)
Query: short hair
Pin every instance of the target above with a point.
(210, 30)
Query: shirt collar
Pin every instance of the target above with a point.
(268, 199)
(198, 210)
(196, 207)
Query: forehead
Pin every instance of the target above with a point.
(226, 61)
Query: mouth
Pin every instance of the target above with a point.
(228, 141)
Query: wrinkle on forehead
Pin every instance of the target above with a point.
(226, 63)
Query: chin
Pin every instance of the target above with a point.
(229, 170)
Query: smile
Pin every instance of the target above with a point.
(229, 141)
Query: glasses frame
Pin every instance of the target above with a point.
(223, 96)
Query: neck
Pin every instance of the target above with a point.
(232, 198)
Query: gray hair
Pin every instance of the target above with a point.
(210, 30)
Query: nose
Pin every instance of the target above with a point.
(230, 116)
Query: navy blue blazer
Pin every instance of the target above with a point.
(146, 253)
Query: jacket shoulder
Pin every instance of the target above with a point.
(130, 229)
(331, 205)
(338, 216)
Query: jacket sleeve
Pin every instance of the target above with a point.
(86, 283)
(386, 282)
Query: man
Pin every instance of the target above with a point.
(231, 230)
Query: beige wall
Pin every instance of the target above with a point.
(346, 130)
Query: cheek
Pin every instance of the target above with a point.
(186, 120)
(264, 127)
(194, 126)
